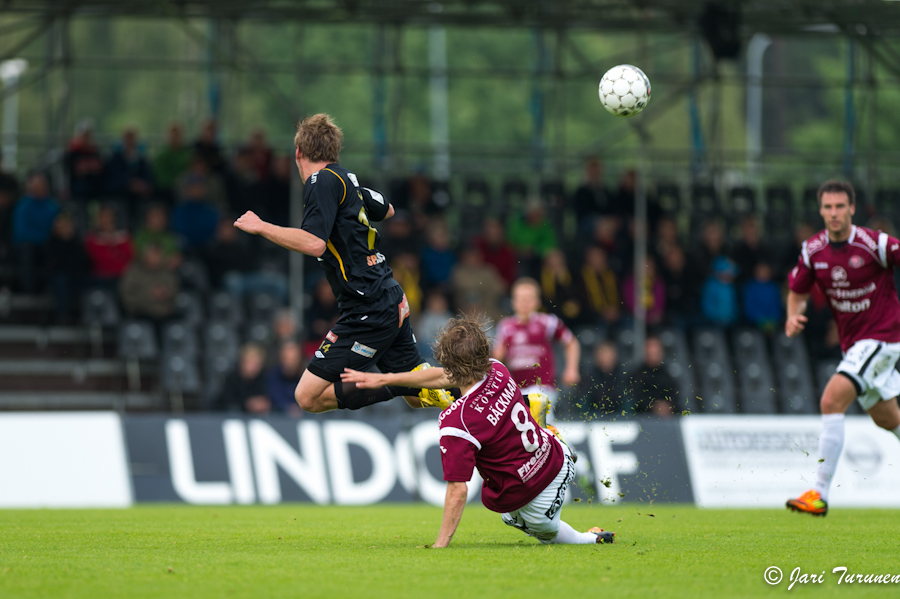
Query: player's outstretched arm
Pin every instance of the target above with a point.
(428, 378)
(296, 240)
(454, 504)
(796, 320)
(571, 375)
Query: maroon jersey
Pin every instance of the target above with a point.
(529, 347)
(857, 278)
(491, 428)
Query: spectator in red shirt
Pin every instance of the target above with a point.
(497, 252)
(109, 248)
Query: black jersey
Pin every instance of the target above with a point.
(337, 210)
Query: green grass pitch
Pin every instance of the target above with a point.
(376, 551)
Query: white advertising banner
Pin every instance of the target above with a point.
(65, 460)
(761, 461)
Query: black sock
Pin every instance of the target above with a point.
(351, 397)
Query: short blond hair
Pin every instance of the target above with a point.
(318, 138)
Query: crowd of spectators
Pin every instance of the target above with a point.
(126, 219)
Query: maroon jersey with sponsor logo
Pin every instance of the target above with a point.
(529, 347)
(857, 278)
(491, 428)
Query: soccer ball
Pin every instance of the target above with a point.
(624, 90)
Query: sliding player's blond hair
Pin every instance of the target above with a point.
(463, 349)
(318, 138)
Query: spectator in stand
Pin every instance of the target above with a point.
(195, 219)
(171, 163)
(591, 199)
(285, 326)
(532, 236)
(399, 237)
(208, 149)
(718, 299)
(606, 235)
(652, 389)
(128, 174)
(84, 167)
(433, 319)
(32, 221)
(245, 188)
(323, 312)
(560, 291)
(109, 247)
(666, 236)
(278, 191)
(244, 389)
(477, 288)
(148, 288)
(214, 183)
(599, 289)
(282, 379)
(762, 299)
(437, 258)
(261, 155)
(653, 296)
(625, 194)
(156, 232)
(9, 193)
(603, 387)
(228, 253)
(712, 245)
(681, 289)
(497, 252)
(749, 250)
(67, 265)
(406, 272)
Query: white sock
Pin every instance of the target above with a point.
(896, 432)
(831, 442)
(569, 536)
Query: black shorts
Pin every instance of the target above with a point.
(377, 334)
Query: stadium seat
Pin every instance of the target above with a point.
(137, 341)
(716, 377)
(221, 339)
(261, 307)
(224, 307)
(796, 391)
(677, 361)
(757, 383)
(216, 368)
(258, 332)
(179, 376)
(668, 196)
(705, 201)
(717, 389)
(625, 345)
(742, 201)
(189, 308)
(477, 192)
(441, 197)
(180, 338)
(193, 275)
(512, 197)
(780, 199)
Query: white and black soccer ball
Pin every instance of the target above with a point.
(624, 90)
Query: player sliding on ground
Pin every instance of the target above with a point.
(526, 470)
(853, 266)
(373, 328)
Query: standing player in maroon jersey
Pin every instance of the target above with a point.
(525, 342)
(853, 266)
(526, 470)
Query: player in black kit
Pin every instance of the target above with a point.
(374, 326)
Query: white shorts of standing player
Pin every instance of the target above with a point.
(870, 365)
(540, 517)
(550, 392)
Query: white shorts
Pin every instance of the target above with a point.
(539, 518)
(870, 365)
